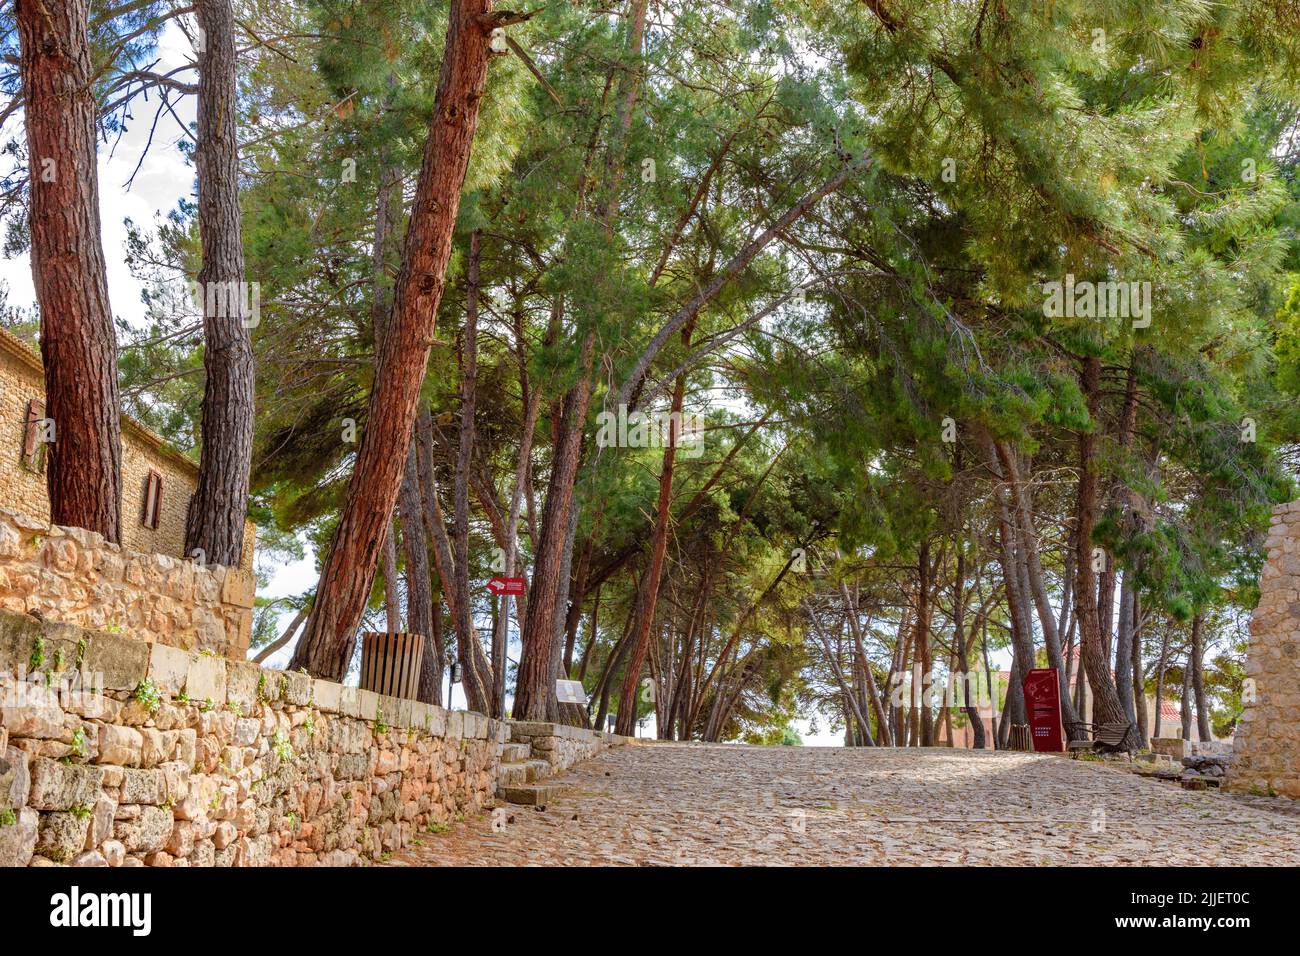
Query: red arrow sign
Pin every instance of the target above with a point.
(506, 585)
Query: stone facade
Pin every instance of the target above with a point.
(75, 577)
(158, 756)
(1267, 750)
(22, 485)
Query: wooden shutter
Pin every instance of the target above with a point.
(151, 509)
(33, 458)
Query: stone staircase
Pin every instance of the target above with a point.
(519, 775)
(538, 750)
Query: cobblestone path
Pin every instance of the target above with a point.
(684, 804)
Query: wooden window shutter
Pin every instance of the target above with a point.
(32, 446)
(151, 510)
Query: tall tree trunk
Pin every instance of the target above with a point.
(1161, 665)
(392, 604)
(532, 398)
(1198, 678)
(220, 506)
(1029, 545)
(78, 344)
(1186, 702)
(970, 707)
(535, 691)
(923, 617)
(1014, 711)
(1124, 648)
(859, 647)
(627, 703)
(1106, 706)
(995, 680)
(326, 647)
(1135, 663)
(477, 684)
(419, 594)
(1022, 632)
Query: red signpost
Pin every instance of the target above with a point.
(507, 585)
(1043, 702)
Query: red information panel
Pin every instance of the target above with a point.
(1043, 701)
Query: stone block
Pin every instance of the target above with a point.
(368, 703)
(239, 588)
(350, 702)
(18, 840)
(144, 787)
(168, 667)
(101, 821)
(403, 712)
(30, 709)
(296, 688)
(15, 778)
(531, 728)
(435, 721)
(122, 661)
(242, 680)
(327, 695)
(118, 745)
(60, 787)
(62, 835)
(205, 679)
(147, 833)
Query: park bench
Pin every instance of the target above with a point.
(1103, 738)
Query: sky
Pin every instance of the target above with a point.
(164, 177)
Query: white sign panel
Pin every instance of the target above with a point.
(570, 692)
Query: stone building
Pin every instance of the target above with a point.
(157, 480)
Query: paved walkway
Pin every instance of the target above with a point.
(682, 804)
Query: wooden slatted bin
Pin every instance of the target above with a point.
(1019, 738)
(390, 663)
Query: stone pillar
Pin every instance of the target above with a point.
(1267, 748)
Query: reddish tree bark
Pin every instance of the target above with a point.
(627, 702)
(78, 344)
(476, 681)
(1106, 706)
(326, 647)
(533, 686)
(216, 519)
(419, 593)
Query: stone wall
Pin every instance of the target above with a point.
(22, 489)
(1267, 748)
(74, 577)
(560, 745)
(158, 756)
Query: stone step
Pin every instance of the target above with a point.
(530, 794)
(513, 774)
(537, 770)
(515, 753)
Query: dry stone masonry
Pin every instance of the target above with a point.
(183, 759)
(119, 752)
(560, 745)
(1267, 751)
(76, 577)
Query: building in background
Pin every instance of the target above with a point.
(158, 481)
